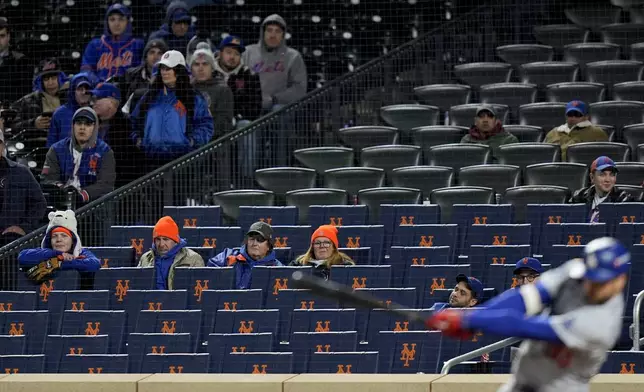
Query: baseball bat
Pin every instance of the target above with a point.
(345, 294)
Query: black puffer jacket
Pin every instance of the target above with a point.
(587, 195)
(320, 268)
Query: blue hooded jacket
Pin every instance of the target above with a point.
(108, 57)
(162, 264)
(61, 121)
(243, 264)
(164, 125)
(165, 31)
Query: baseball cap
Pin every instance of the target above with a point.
(234, 42)
(263, 229)
(85, 113)
(602, 163)
(473, 284)
(49, 66)
(605, 258)
(172, 58)
(485, 108)
(106, 90)
(181, 15)
(529, 263)
(118, 9)
(577, 106)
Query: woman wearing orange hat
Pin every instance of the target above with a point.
(61, 248)
(323, 252)
(168, 252)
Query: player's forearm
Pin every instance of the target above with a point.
(508, 322)
(529, 299)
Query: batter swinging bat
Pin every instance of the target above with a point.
(345, 294)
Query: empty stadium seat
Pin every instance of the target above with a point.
(304, 344)
(30, 323)
(617, 114)
(518, 54)
(362, 276)
(511, 94)
(231, 200)
(614, 71)
(367, 136)
(96, 322)
(382, 320)
(586, 153)
(197, 279)
(323, 320)
(526, 133)
(304, 199)
(141, 344)
(18, 300)
(353, 179)
(637, 51)
(395, 217)
(481, 257)
(402, 257)
(23, 363)
(259, 363)
(119, 280)
(623, 362)
(559, 35)
(478, 74)
(525, 154)
(283, 179)
(138, 237)
(406, 117)
(298, 238)
(622, 34)
(390, 157)
(545, 73)
(114, 256)
(428, 137)
(175, 363)
(592, 16)
(613, 214)
(498, 234)
(324, 158)
(409, 352)
(13, 344)
(344, 362)
(630, 233)
(546, 115)
(94, 363)
(220, 345)
(58, 346)
(571, 234)
(521, 196)
(275, 216)
(338, 215)
(447, 197)
(539, 215)
(273, 279)
(217, 238)
(374, 197)
(565, 174)
(628, 91)
(495, 176)
(425, 178)
(76, 300)
(463, 115)
(459, 155)
(443, 96)
(633, 135)
(427, 235)
(636, 192)
(630, 173)
(371, 236)
(192, 216)
(570, 91)
(584, 53)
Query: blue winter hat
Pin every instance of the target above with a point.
(232, 41)
(118, 8)
(181, 15)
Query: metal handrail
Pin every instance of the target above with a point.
(478, 352)
(635, 327)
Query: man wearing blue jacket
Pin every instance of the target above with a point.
(77, 96)
(178, 30)
(115, 51)
(256, 251)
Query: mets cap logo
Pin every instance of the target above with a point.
(235, 41)
(166, 55)
(575, 103)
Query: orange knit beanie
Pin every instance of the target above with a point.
(166, 227)
(328, 231)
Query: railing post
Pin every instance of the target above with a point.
(479, 351)
(637, 307)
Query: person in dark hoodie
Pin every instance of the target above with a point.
(81, 163)
(488, 130)
(257, 250)
(16, 69)
(137, 79)
(77, 96)
(116, 50)
(36, 109)
(178, 29)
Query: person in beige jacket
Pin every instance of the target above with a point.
(168, 252)
(577, 129)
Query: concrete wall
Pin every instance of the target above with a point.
(283, 383)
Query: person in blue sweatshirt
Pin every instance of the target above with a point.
(178, 29)
(61, 249)
(256, 251)
(172, 118)
(116, 50)
(77, 96)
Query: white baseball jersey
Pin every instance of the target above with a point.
(587, 331)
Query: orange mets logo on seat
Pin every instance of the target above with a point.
(359, 282)
(323, 348)
(335, 221)
(168, 326)
(480, 220)
(199, 288)
(45, 289)
(498, 260)
(344, 369)
(437, 283)
(209, 243)
(554, 219)
(75, 350)
(500, 240)
(78, 306)
(105, 263)
(574, 239)
(407, 354)
(11, 370)
(230, 306)
(256, 368)
(240, 349)
(158, 350)
(426, 240)
(189, 222)
(98, 370)
(137, 244)
(281, 242)
(418, 261)
(401, 326)
(323, 326)
(627, 368)
(406, 221)
(280, 284)
(353, 242)
(246, 326)
(304, 303)
(267, 220)
(6, 306)
(120, 290)
(175, 369)
(155, 306)
(15, 331)
(93, 330)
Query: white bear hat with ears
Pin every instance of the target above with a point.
(66, 219)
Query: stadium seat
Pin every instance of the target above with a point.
(323, 320)
(495, 176)
(518, 54)
(304, 344)
(481, 257)
(614, 214)
(525, 154)
(137, 300)
(457, 156)
(409, 352)
(443, 96)
(353, 179)
(276, 216)
(382, 320)
(114, 256)
(402, 257)
(396, 216)
(94, 363)
(175, 363)
(280, 180)
(214, 300)
(20, 364)
(571, 234)
(367, 136)
(584, 53)
(612, 72)
(630, 173)
(138, 237)
(390, 157)
(362, 276)
(545, 73)
(427, 235)
(97, 322)
(298, 238)
(498, 234)
(463, 115)
(557, 254)
(622, 34)
(636, 192)
(259, 363)
(338, 215)
(231, 200)
(467, 215)
(513, 95)
(407, 117)
(344, 362)
(526, 133)
(478, 74)
(75, 300)
(371, 236)
(617, 114)
(628, 91)
(500, 277)
(538, 215)
(521, 196)
(217, 238)
(374, 197)
(141, 344)
(428, 137)
(221, 344)
(586, 153)
(309, 200)
(623, 362)
(565, 174)
(58, 346)
(559, 35)
(592, 16)
(13, 344)
(427, 278)
(570, 91)
(637, 51)
(171, 322)
(447, 197)
(324, 158)
(630, 233)
(29, 323)
(17, 300)
(119, 280)
(273, 279)
(546, 115)
(194, 216)
(61, 280)
(425, 178)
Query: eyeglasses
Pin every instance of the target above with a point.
(574, 114)
(320, 244)
(529, 278)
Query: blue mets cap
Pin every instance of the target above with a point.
(473, 284)
(181, 15)
(106, 90)
(232, 41)
(529, 263)
(577, 106)
(604, 259)
(602, 163)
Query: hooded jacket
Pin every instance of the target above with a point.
(95, 174)
(61, 121)
(30, 106)
(281, 71)
(165, 31)
(137, 79)
(220, 101)
(22, 202)
(108, 56)
(246, 88)
(496, 139)
(85, 260)
(243, 264)
(179, 256)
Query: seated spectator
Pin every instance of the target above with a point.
(61, 249)
(77, 96)
(527, 270)
(168, 252)
(172, 118)
(136, 80)
(257, 250)
(36, 108)
(15, 69)
(115, 51)
(323, 252)
(577, 129)
(178, 29)
(603, 176)
(467, 293)
(488, 130)
(22, 203)
(220, 97)
(105, 99)
(81, 163)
